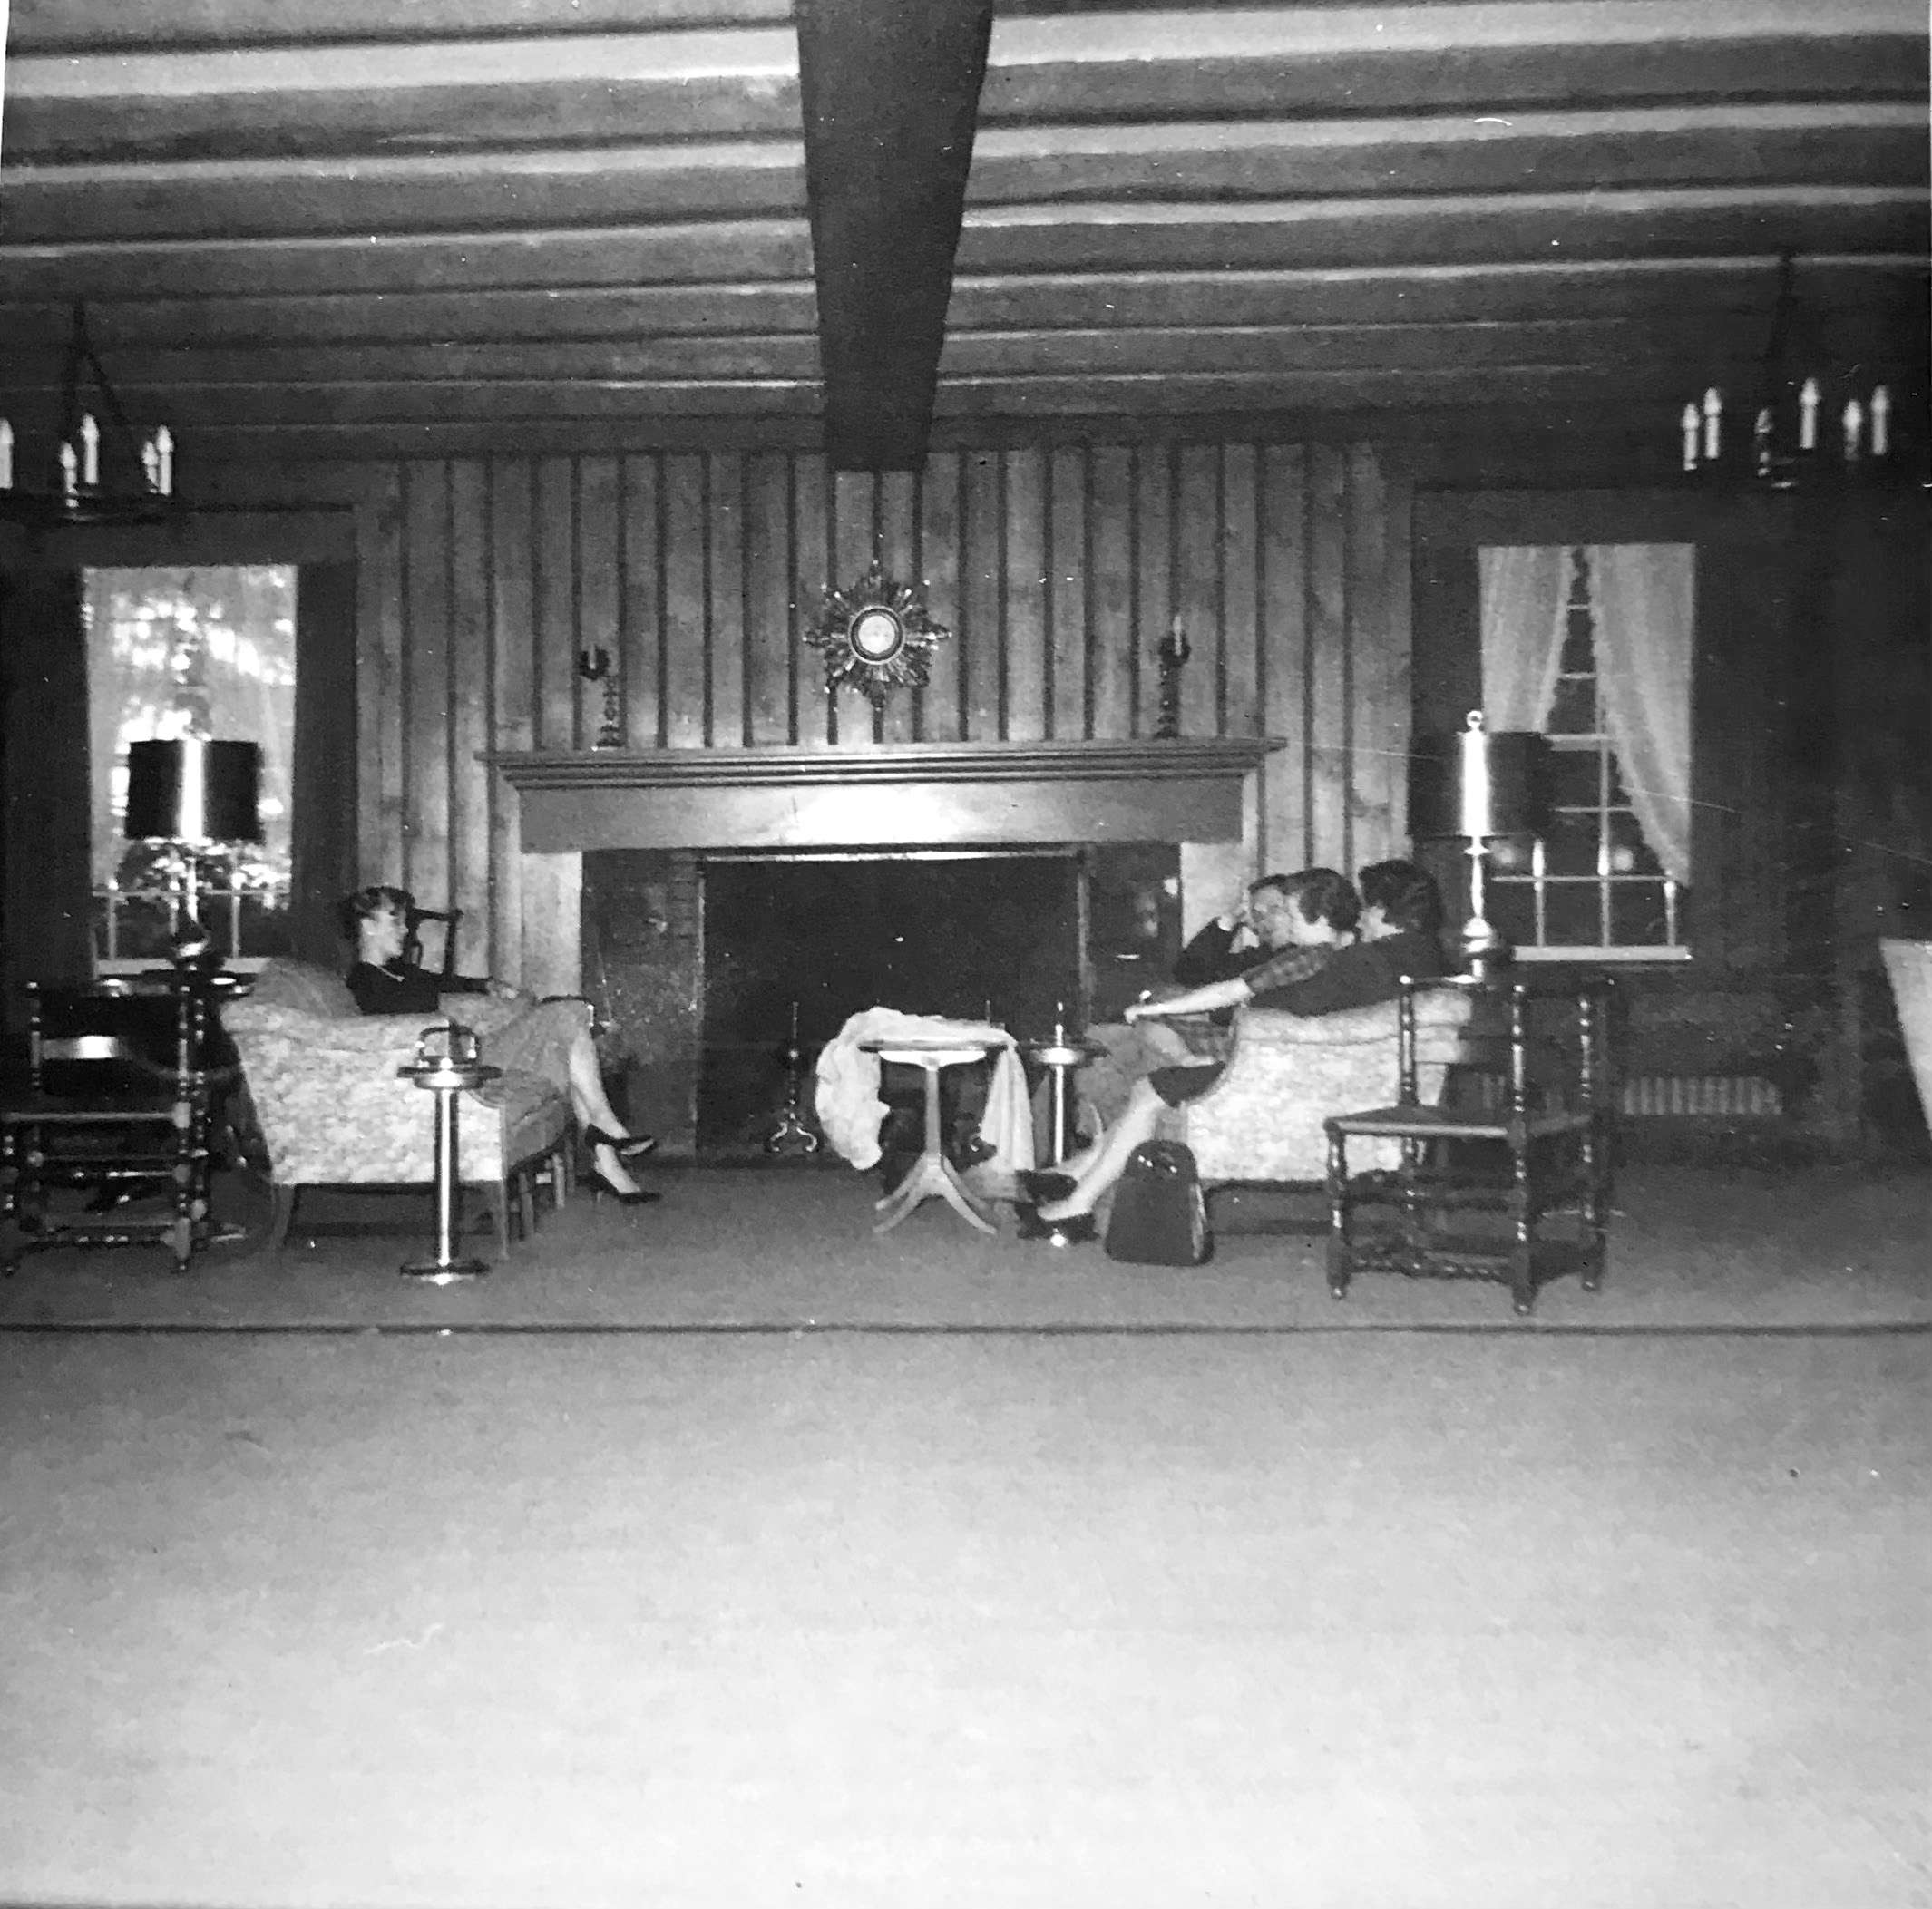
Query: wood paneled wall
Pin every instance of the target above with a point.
(1057, 570)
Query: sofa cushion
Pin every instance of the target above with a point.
(284, 982)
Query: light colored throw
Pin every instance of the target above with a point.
(1909, 964)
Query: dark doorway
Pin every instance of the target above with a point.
(963, 935)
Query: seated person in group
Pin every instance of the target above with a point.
(551, 1038)
(1399, 899)
(1240, 939)
(1337, 971)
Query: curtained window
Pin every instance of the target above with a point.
(1591, 644)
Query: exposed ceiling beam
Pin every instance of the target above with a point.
(890, 91)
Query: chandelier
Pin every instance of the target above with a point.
(99, 472)
(1809, 423)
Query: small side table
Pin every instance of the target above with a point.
(1061, 1058)
(931, 1173)
(445, 1075)
(1556, 1161)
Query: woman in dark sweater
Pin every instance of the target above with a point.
(551, 1038)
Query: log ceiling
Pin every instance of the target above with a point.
(311, 229)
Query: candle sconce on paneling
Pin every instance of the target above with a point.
(594, 666)
(1172, 654)
(874, 635)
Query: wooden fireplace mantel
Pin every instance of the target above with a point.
(925, 794)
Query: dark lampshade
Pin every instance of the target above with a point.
(1519, 778)
(193, 791)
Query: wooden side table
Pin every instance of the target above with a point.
(1551, 1161)
(932, 1174)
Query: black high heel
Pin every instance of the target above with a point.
(626, 1146)
(637, 1196)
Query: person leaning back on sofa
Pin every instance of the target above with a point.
(1324, 969)
(548, 1037)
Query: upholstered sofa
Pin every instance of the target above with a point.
(1262, 1120)
(331, 1109)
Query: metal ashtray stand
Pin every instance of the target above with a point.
(446, 1069)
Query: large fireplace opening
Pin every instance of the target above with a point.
(699, 957)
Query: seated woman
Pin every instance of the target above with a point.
(551, 1039)
(1324, 969)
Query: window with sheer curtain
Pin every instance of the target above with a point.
(206, 652)
(1591, 644)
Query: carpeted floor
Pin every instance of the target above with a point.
(1128, 1621)
(1693, 1248)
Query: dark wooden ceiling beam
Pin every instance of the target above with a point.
(890, 91)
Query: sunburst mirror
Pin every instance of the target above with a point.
(874, 635)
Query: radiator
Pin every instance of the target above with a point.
(1746, 1094)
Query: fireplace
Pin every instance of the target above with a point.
(696, 893)
(700, 959)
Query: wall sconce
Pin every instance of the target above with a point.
(1473, 786)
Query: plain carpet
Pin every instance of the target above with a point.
(1337, 1622)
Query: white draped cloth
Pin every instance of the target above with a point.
(846, 1086)
(1645, 603)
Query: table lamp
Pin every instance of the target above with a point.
(192, 796)
(1475, 786)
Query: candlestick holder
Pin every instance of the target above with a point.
(1172, 654)
(791, 1134)
(594, 666)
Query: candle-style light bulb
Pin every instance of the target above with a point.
(1713, 416)
(6, 455)
(1881, 423)
(70, 470)
(164, 461)
(89, 450)
(1854, 429)
(1689, 437)
(151, 463)
(1761, 439)
(1059, 1024)
(1807, 415)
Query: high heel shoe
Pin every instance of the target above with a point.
(626, 1146)
(637, 1196)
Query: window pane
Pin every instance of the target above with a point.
(1574, 712)
(1575, 778)
(1571, 911)
(1511, 910)
(1570, 846)
(1636, 914)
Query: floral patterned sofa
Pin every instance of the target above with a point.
(1262, 1120)
(332, 1111)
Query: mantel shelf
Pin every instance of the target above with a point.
(904, 763)
(913, 793)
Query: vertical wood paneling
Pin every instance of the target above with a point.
(511, 682)
(1152, 562)
(1111, 593)
(600, 584)
(725, 599)
(854, 532)
(1199, 538)
(1378, 653)
(426, 670)
(812, 558)
(1057, 570)
(553, 602)
(938, 544)
(982, 598)
(641, 569)
(686, 574)
(1285, 836)
(898, 524)
(1027, 691)
(1240, 711)
(473, 788)
(379, 648)
(1326, 726)
(771, 684)
(1070, 488)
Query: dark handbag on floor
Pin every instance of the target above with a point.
(1159, 1216)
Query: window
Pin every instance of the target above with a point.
(1591, 645)
(206, 652)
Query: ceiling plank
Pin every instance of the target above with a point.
(890, 92)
